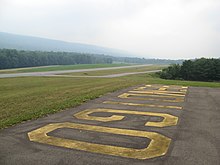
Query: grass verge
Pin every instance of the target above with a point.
(28, 98)
(118, 71)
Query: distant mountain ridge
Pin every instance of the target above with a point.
(22, 42)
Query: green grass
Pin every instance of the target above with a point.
(28, 98)
(60, 67)
(117, 71)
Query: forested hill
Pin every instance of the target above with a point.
(21, 42)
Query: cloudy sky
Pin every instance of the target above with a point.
(148, 28)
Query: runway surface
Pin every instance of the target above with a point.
(142, 125)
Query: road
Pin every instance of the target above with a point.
(52, 73)
(143, 125)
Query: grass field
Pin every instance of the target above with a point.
(117, 71)
(60, 67)
(27, 98)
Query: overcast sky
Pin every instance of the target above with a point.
(149, 28)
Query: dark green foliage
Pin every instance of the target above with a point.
(199, 70)
(10, 58)
(171, 72)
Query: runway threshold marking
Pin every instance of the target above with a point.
(158, 145)
(168, 120)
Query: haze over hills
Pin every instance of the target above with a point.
(47, 48)
(22, 42)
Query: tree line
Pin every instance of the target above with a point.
(11, 58)
(197, 70)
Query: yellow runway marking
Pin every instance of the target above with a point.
(158, 146)
(143, 105)
(168, 120)
(162, 89)
(166, 86)
(157, 93)
(153, 91)
(140, 88)
(127, 96)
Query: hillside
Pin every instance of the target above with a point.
(21, 42)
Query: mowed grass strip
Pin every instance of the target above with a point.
(117, 71)
(60, 67)
(28, 98)
(32, 97)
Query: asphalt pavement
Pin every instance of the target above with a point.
(143, 125)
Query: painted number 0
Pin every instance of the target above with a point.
(158, 145)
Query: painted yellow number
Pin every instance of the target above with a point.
(162, 93)
(143, 97)
(158, 145)
(144, 105)
(182, 89)
(168, 120)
